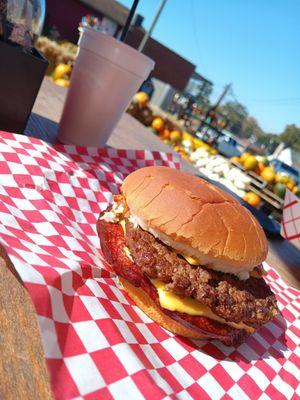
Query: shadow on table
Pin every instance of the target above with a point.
(286, 250)
(41, 128)
(267, 343)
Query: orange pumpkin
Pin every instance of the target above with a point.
(141, 98)
(62, 82)
(235, 159)
(165, 134)
(253, 199)
(250, 163)
(158, 124)
(61, 71)
(175, 136)
(261, 167)
(268, 174)
(244, 156)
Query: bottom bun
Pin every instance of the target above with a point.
(148, 306)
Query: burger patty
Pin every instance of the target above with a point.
(250, 301)
(112, 244)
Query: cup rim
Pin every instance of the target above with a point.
(123, 46)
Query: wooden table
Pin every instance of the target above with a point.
(23, 373)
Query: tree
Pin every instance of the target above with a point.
(291, 136)
(243, 125)
(236, 114)
(251, 128)
(240, 122)
(268, 141)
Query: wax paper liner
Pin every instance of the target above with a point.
(99, 345)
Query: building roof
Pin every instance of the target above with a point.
(109, 8)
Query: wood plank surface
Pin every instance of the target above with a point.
(22, 366)
(23, 371)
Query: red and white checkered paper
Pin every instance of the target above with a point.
(290, 225)
(99, 345)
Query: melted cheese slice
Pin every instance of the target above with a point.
(173, 302)
(127, 252)
(191, 260)
(122, 223)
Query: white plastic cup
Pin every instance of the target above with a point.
(106, 75)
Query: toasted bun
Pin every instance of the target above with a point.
(195, 218)
(148, 306)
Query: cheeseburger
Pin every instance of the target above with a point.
(188, 254)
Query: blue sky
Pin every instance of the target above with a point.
(255, 44)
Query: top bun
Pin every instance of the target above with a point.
(196, 218)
